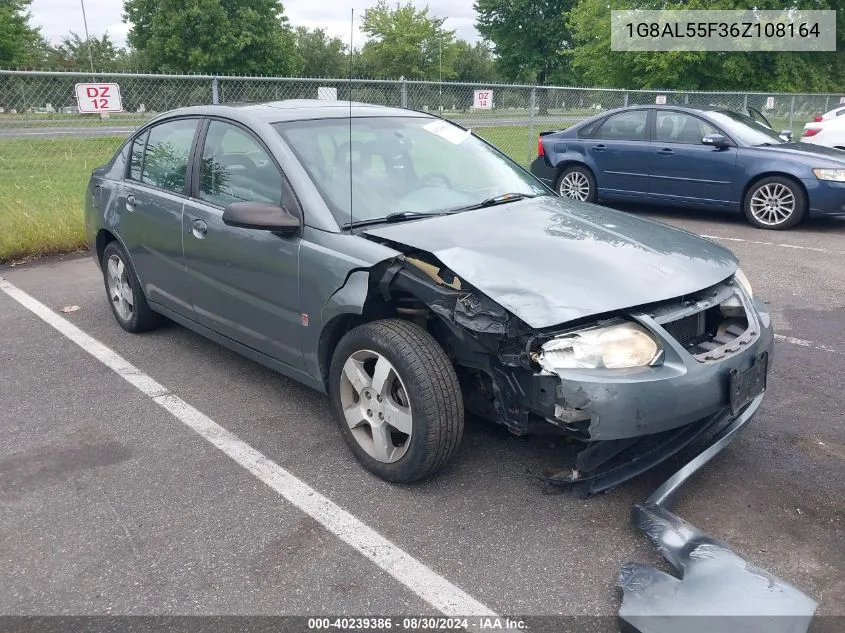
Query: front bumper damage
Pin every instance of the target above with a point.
(715, 588)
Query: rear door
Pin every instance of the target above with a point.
(684, 169)
(244, 282)
(149, 204)
(619, 149)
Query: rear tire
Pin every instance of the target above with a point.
(577, 183)
(397, 400)
(775, 203)
(123, 289)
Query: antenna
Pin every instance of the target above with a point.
(351, 51)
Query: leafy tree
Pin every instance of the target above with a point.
(322, 56)
(250, 37)
(406, 42)
(72, 54)
(474, 63)
(20, 44)
(531, 37)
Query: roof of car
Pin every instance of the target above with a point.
(297, 109)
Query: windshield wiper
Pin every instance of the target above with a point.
(400, 216)
(503, 198)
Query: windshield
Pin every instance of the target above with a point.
(743, 128)
(410, 165)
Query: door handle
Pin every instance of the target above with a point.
(130, 202)
(599, 148)
(199, 229)
(665, 151)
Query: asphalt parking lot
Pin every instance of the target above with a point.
(111, 505)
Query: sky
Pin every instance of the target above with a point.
(57, 17)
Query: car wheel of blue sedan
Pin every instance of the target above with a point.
(397, 399)
(775, 203)
(578, 183)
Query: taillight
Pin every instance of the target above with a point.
(541, 151)
(818, 119)
(811, 131)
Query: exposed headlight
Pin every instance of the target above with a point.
(616, 346)
(830, 174)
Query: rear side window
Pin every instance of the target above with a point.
(236, 168)
(624, 126)
(164, 162)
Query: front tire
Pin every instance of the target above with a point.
(577, 183)
(123, 289)
(397, 400)
(775, 203)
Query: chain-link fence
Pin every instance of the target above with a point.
(47, 148)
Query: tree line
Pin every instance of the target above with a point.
(543, 42)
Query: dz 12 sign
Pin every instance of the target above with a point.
(98, 98)
(482, 100)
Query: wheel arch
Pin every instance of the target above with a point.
(104, 237)
(774, 173)
(571, 162)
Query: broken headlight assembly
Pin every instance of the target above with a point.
(732, 307)
(618, 345)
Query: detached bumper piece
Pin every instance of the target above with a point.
(716, 589)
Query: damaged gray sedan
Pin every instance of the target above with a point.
(413, 272)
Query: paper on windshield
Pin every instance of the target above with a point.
(448, 132)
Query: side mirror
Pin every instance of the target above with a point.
(716, 140)
(786, 135)
(261, 215)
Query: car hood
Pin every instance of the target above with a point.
(549, 260)
(805, 151)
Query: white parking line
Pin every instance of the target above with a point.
(805, 343)
(428, 585)
(793, 246)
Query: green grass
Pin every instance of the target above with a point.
(42, 187)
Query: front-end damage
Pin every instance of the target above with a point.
(706, 338)
(623, 422)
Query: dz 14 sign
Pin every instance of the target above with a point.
(482, 100)
(98, 98)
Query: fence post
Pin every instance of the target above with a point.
(826, 100)
(532, 104)
(791, 111)
(404, 93)
(625, 100)
(745, 103)
(215, 91)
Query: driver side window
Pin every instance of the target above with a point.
(236, 168)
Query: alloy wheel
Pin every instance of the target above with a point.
(575, 185)
(772, 204)
(376, 406)
(120, 291)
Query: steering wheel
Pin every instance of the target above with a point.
(434, 177)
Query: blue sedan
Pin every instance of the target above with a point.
(697, 157)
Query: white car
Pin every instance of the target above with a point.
(827, 132)
(831, 114)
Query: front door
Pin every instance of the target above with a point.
(243, 282)
(686, 170)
